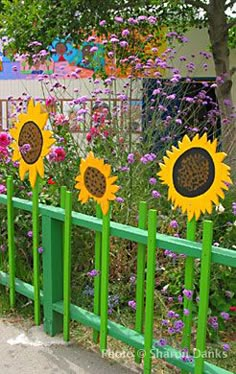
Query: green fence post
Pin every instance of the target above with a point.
(11, 243)
(52, 235)
(97, 279)
(188, 284)
(35, 217)
(104, 280)
(150, 284)
(67, 265)
(62, 196)
(204, 295)
(141, 262)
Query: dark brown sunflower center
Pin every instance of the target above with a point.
(194, 172)
(95, 182)
(30, 142)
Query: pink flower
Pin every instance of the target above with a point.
(5, 139)
(50, 101)
(102, 23)
(60, 119)
(3, 152)
(119, 19)
(93, 49)
(57, 154)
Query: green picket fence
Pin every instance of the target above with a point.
(55, 297)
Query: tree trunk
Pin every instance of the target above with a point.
(218, 34)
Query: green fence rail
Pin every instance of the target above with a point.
(55, 297)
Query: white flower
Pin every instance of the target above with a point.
(220, 208)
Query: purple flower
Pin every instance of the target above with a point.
(186, 312)
(212, 321)
(3, 189)
(165, 322)
(40, 250)
(156, 194)
(25, 148)
(178, 325)
(93, 273)
(180, 299)
(225, 315)
(119, 199)
(188, 294)
(174, 224)
(152, 181)
(123, 43)
(122, 97)
(30, 234)
(226, 347)
(130, 158)
(171, 314)
(132, 304)
(169, 253)
(171, 330)
(162, 342)
(125, 32)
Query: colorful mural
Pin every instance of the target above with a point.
(64, 58)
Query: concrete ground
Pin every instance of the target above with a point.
(33, 352)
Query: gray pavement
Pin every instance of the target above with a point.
(33, 352)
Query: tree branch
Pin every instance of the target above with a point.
(231, 24)
(232, 71)
(197, 4)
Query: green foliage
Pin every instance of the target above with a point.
(27, 21)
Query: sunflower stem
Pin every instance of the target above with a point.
(97, 279)
(105, 280)
(35, 217)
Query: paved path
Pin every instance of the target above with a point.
(33, 352)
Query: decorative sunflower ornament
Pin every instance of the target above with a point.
(94, 181)
(32, 143)
(195, 175)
